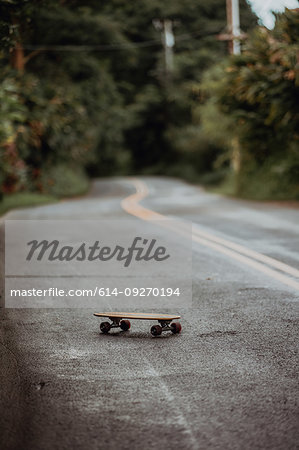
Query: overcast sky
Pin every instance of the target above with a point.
(263, 9)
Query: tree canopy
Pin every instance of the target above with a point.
(256, 96)
(84, 87)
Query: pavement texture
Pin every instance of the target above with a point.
(228, 381)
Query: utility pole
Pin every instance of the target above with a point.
(235, 26)
(233, 34)
(168, 41)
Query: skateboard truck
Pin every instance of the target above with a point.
(166, 325)
(117, 322)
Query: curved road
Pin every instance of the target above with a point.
(229, 381)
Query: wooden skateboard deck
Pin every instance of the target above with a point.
(117, 319)
(141, 316)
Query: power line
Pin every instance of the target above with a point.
(113, 47)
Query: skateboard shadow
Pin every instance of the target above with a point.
(133, 335)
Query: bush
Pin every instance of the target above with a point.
(63, 181)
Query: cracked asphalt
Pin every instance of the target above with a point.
(229, 381)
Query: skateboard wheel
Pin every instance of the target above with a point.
(156, 330)
(176, 327)
(105, 327)
(125, 325)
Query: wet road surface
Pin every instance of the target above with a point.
(229, 381)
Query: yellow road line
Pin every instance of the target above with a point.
(238, 252)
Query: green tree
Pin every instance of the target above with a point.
(91, 82)
(164, 135)
(64, 86)
(258, 94)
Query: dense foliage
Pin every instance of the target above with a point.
(255, 97)
(84, 86)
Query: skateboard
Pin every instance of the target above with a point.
(120, 320)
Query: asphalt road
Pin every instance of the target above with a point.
(229, 381)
